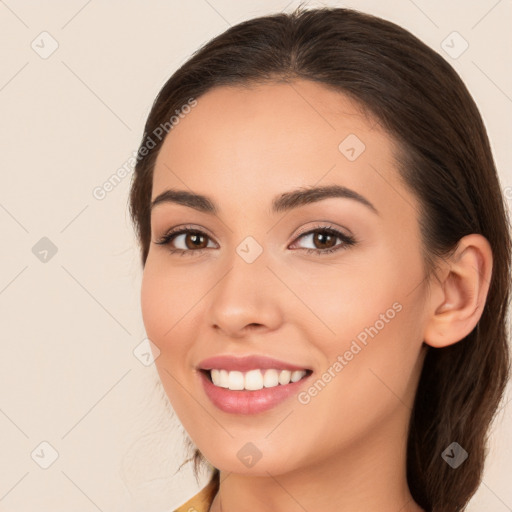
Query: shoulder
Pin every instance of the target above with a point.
(202, 501)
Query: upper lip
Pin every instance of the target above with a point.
(246, 363)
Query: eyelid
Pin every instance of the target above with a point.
(327, 226)
(184, 228)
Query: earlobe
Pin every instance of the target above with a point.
(458, 299)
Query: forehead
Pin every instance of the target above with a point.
(241, 143)
(275, 114)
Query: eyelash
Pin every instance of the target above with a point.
(347, 240)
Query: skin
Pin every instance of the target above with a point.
(347, 445)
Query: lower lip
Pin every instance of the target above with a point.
(249, 402)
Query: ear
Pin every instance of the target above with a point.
(459, 294)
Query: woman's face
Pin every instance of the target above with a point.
(255, 277)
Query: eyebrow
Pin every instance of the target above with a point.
(281, 203)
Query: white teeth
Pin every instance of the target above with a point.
(254, 380)
(236, 381)
(220, 378)
(297, 375)
(224, 379)
(284, 377)
(271, 378)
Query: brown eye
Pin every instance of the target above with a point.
(195, 240)
(321, 240)
(324, 240)
(186, 241)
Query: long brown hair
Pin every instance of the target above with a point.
(444, 158)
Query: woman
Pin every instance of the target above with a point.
(326, 263)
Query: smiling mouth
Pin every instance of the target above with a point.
(254, 380)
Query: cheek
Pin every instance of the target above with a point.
(162, 306)
(152, 306)
(165, 294)
(350, 296)
(377, 317)
(372, 311)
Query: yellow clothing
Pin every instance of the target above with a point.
(202, 501)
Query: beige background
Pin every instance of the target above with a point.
(70, 323)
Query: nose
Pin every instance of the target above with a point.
(247, 297)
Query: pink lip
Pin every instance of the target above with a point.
(249, 402)
(246, 363)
